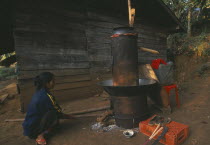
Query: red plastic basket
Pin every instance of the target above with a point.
(176, 134)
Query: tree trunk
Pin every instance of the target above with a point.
(189, 22)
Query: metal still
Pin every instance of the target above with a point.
(128, 92)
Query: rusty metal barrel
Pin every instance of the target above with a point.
(128, 92)
(125, 57)
(129, 102)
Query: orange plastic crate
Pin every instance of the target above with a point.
(176, 134)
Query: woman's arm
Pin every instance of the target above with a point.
(54, 103)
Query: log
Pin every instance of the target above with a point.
(149, 50)
(14, 120)
(86, 115)
(76, 116)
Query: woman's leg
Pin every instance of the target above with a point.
(49, 120)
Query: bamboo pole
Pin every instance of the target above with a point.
(77, 114)
(149, 50)
(132, 17)
(129, 12)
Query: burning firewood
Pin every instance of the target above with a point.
(105, 116)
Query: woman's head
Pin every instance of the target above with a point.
(44, 80)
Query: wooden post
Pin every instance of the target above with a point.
(129, 12)
(189, 22)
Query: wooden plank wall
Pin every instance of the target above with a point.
(100, 28)
(150, 37)
(75, 46)
(98, 31)
(54, 41)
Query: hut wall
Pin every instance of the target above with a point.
(74, 45)
(54, 40)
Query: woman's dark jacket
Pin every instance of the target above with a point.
(42, 102)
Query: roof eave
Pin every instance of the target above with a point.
(172, 15)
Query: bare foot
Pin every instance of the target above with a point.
(41, 140)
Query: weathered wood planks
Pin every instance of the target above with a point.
(61, 95)
(73, 44)
(57, 72)
(59, 86)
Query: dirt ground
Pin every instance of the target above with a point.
(194, 111)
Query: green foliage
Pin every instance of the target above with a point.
(5, 56)
(7, 59)
(181, 44)
(7, 73)
(204, 68)
(181, 8)
(206, 52)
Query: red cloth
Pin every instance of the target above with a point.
(155, 63)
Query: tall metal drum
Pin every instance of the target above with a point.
(125, 57)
